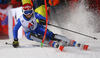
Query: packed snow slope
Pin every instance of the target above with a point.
(32, 49)
(79, 19)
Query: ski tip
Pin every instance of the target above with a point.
(61, 48)
(85, 47)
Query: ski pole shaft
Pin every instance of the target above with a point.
(8, 43)
(73, 31)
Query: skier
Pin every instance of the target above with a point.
(35, 30)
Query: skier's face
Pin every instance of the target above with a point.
(29, 15)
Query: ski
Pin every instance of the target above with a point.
(83, 46)
(61, 48)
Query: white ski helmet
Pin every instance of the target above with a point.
(27, 9)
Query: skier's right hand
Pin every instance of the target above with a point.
(15, 43)
(42, 22)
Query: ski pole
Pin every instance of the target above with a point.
(73, 31)
(8, 43)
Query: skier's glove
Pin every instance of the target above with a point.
(42, 22)
(15, 43)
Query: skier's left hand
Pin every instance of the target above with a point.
(42, 22)
(15, 43)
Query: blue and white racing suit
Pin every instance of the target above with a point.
(31, 26)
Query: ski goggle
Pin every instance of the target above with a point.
(28, 12)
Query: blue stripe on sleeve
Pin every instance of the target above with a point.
(15, 29)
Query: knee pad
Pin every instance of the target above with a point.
(60, 37)
(36, 35)
(29, 34)
(53, 38)
(37, 38)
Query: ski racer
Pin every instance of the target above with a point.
(35, 30)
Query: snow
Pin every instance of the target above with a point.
(79, 20)
(32, 49)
